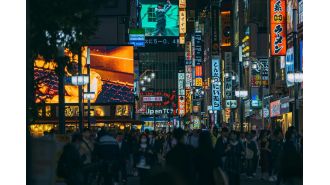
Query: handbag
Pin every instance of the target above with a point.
(248, 152)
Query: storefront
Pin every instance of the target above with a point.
(118, 116)
(281, 114)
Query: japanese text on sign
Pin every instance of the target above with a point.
(278, 27)
(216, 84)
(198, 82)
(182, 21)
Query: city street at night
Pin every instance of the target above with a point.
(164, 92)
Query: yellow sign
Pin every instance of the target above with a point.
(182, 4)
(182, 21)
(188, 101)
(199, 82)
(182, 39)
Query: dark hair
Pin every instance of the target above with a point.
(178, 133)
(224, 129)
(86, 130)
(160, 4)
(76, 137)
(205, 140)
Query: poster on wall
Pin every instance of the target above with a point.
(275, 108)
(278, 27)
(111, 76)
(160, 18)
(289, 65)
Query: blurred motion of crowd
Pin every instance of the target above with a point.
(196, 157)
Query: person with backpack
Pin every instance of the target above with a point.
(71, 162)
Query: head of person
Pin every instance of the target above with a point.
(248, 136)
(178, 135)
(278, 134)
(205, 140)
(233, 136)
(76, 139)
(143, 141)
(86, 133)
(225, 132)
(120, 137)
(253, 133)
(160, 6)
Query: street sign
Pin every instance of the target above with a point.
(231, 104)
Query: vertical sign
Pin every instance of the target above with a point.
(181, 94)
(228, 58)
(182, 21)
(188, 101)
(198, 48)
(278, 27)
(225, 22)
(289, 65)
(215, 30)
(216, 84)
(188, 52)
(188, 76)
(264, 72)
(228, 88)
(198, 59)
(182, 4)
(181, 84)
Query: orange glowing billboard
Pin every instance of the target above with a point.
(278, 27)
(111, 76)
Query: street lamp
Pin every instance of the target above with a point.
(79, 80)
(153, 75)
(142, 82)
(89, 96)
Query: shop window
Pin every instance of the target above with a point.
(48, 111)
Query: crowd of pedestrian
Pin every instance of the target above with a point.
(198, 157)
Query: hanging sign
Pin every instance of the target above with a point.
(278, 27)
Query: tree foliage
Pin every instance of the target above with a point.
(69, 23)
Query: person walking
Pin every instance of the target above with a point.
(221, 146)
(206, 167)
(234, 153)
(71, 162)
(264, 155)
(181, 158)
(256, 157)
(250, 153)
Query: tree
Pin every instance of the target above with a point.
(57, 23)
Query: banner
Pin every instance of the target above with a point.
(228, 61)
(182, 4)
(216, 84)
(188, 101)
(181, 104)
(278, 27)
(198, 48)
(181, 86)
(188, 50)
(289, 65)
(182, 21)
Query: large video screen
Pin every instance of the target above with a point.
(160, 17)
(111, 76)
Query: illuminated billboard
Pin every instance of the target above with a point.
(111, 76)
(160, 18)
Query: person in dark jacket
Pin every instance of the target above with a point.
(123, 155)
(70, 165)
(252, 147)
(234, 152)
(107, 151)
(220, 147)
(181, 158)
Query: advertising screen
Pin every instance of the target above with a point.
(160, 17)
(111, 76)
